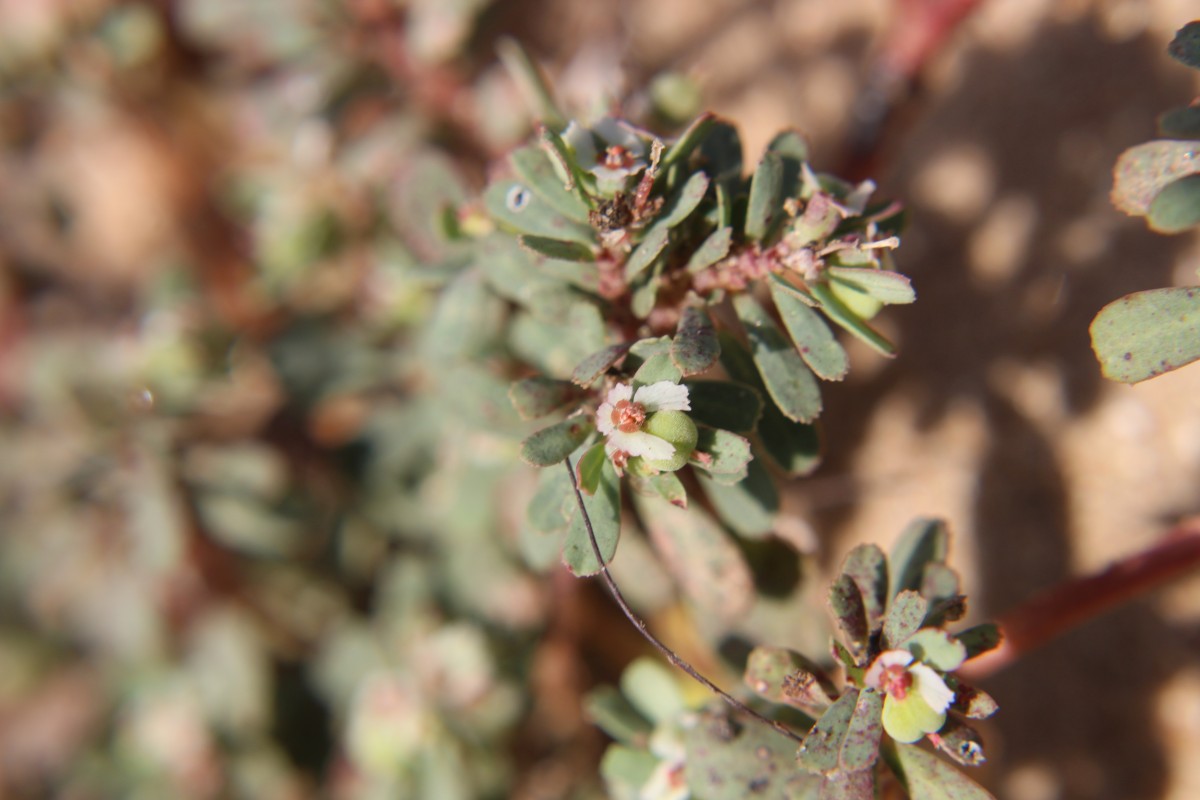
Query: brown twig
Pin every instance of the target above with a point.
(640, 624)
(1067, 605)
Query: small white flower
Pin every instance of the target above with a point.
(624, 153)
(917, 696)
(623, 413)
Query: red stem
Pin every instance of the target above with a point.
(1075, 601)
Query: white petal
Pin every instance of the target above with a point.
(620, 133)
(890, 658)
(579, 139)
(622, 391)
(932, 688)
(663, 396)
(640, 443)
(604, 422)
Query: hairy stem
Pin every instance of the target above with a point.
(640, 624)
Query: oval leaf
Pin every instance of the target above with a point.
(722, 454)
(723, 404)
(604, 511)
(537, 397)
(927, 777)
(924, 541)
(551, 445)
(820, 752)
(889, 288)
(1148, 333)
(747, 507)
(695, 347)
(904, 618)
(812, 337)
(789, 381)
(1177, 207)
(765, 203)
(1142, 171)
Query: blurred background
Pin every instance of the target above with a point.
(251, 545)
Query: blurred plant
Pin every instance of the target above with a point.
(1148, 333)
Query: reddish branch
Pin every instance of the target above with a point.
(1069, 604)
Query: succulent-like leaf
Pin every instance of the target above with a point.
(570, 173)
(699, 554)
(537, 397)
(723, 404)
(589, 468)
(936, 648)
(598, 363)
(793, 151)
(1177, 207)
(904, 618)
(889, 288)
(647, 250)
(980, 639)
(860, 748)
(961, 742)
(688, 141)
(867, 566)
(731, 760)
(551, 445)
(782, 676)
(927, 777)
(655, 369)
(684, 202)
(940, 586)
(722, 454)
(765, 203)
(1185, 47)
(812, 337)
(1143, 170)
(616, 716)
(843, 315)
(846, 602)
(669, 488)
(695, 347)
(604, 510)
(820, 752)
(515, 204)
(789, 382)
(793, 446)
(747, 507)
(534, 168)
(560, 250)
(712, 250)
(1145, 334)
(922, 542)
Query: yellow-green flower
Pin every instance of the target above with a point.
(917, 696)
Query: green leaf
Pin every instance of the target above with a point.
(533, 166)
(1180, 123)
(866, 565)
(589, 468)
(927, 777)
(695, 347)
(466, 322)
(626, 770)
(904, 618)
(889, 288)
(681, 206)
(1185, 47)
(820, 752)
(973, 703)
(669, 488)
(812, 337)
(548, 511)
(1177, 207)
(604, 510)
(723, 404)
(936, 648)
(793, 446)
(1142, 171)
(570, 174)
(559, 250)
(688, 141)
(860, 748)
(721, 154)
(724, 455)
(765, 203)
(980, 639)
(645, 291)
(1146, 334)
(595, 365)
(516, 205)
(732, 759)
(848, 786)
(793, 150)
(747, 507)
(789, 382)
(655, 369)
(714, 248)
(537, 397)
(699, 554)
(551, 445)
(783, 676)
(612, 712)
(648, 250)
(940, 586)
(922, 542)
(846, 602)
(843, 315)
(652, 690)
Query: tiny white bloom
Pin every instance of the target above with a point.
(623, 413)
(917, 696)
(623, 154)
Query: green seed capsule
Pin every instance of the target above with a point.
(677, 428)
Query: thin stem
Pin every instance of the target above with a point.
(638, 623)
(1073, 602)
